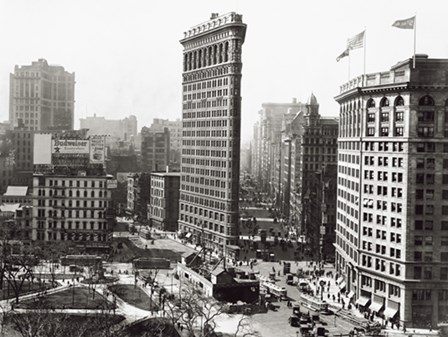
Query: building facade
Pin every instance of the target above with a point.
(72, 192)
(308, 181)
(22, 141)
(139, 195)
(175, 129)
(155, 151)
(266, 155)
(42, 97)
(392, 198)
(73, 209)
(211, 128)
(163, 210)
(117, 129)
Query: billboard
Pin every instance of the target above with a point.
(111, 184)
(71, 146)
(42, 149)
(97, 149)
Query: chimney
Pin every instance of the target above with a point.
(294, 100)
(214, 16)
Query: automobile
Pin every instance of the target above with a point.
(320, 331)
(296, 311)
(294, 320)
(272, 306)
(305, 320)
(306, 330)
(289, 279)
(315, 318)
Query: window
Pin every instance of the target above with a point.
(399, 101)
(417, 273)
(384, 102)
(384, 132)
(444, 276)
(418, 256)
(399, 131)
(426, 101)
(384, 117)
(399, 116)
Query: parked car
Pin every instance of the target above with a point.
(294, 320)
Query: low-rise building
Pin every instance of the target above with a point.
(163, 210)
(17, 195)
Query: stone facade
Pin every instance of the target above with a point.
(211, 122)
(392, 204)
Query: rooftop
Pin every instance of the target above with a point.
(16, 191)
(215, 21)
(9, 207)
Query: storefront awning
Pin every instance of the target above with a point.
(188, 235)
(342, 285)
(350, 294)
(390, 312)
(362, 301)
(376, 306)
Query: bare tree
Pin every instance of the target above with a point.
(18, 270)
(245, 328)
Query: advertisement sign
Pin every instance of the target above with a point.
(71, 146)
(111, 184)
(97, 149)
(42, 149)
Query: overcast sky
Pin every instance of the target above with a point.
(128, 59)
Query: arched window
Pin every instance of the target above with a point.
(226, 52)
(370, 103)
(399, 101)
(384, 102)
(209, 56)
(92, 194)
(77, 193)
(200, 59)
(215, 54)
(85, 194)
(220, 54)
(426, 100)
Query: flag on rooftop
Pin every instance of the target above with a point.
(356, 41)
(405, 24)
(344, 54)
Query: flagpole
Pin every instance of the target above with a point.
(415, 37)
(349, 65)
(365, 47)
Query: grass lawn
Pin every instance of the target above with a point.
(7, 291)
(134, 296)
(127, 251)
(79, 325)
(74, 298)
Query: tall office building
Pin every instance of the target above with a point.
(392, 203)
(211, 120)
(308, 180)
(268, 134)
(42, 97)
